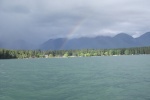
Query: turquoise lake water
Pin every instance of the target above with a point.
(89, 78)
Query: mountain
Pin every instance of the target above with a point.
(121, 40)
(54, 44)
(144, 40)
(16, 45)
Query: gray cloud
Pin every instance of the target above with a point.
(40, 20)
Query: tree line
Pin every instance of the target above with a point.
(13, 54)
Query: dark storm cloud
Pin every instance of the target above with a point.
(40, 20)
(18, 9)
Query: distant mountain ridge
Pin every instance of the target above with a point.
(17, 45)
(121, 40)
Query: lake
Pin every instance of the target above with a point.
(80, 78)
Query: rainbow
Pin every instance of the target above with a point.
(73, 30)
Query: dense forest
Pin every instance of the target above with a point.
(19, 54)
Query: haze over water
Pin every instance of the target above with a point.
(89, 78)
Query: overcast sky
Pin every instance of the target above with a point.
(40, 20)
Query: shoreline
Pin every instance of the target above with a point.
(76, 57)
